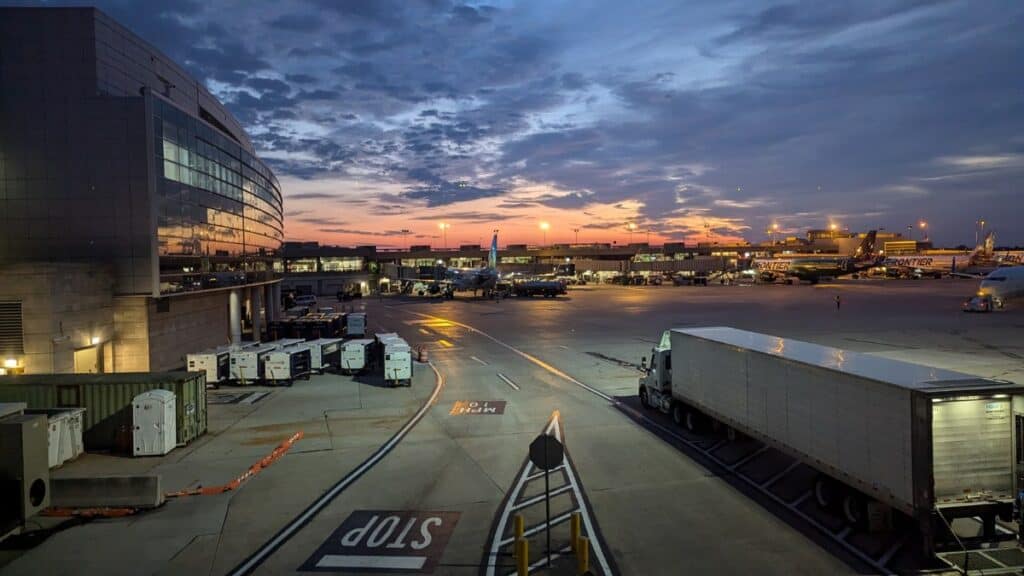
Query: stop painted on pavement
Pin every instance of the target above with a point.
(385, 541)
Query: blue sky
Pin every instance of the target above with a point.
(689, 119)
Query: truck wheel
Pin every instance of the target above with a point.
(678, 414)
(694, 422)
(855, 508)
(826, 492)
(644, 401)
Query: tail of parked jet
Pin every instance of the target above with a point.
(492, 256)
(984, 252)
(866, 250)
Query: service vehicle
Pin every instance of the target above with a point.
(247, 362)
(356, 355)
(920, 444)
(286, 364)
(396, 358)
(355, 324)
(325, 354)
(978, 304)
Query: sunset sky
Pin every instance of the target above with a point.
(693, 120)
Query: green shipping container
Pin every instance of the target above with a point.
(107, 399)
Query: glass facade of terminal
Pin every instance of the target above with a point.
(218, 208)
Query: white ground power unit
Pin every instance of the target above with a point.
(247, 363)
(154, 427)
(325, 354)
(355, 355)
(284, 365)
(397, 361)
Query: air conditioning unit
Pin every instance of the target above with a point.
(24, 469)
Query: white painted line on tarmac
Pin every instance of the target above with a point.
(595, 543)
(499, 531)
(285, 534)
(519, 352)
(507, 381)
(540, 497)
(482, 363)
(372, 562)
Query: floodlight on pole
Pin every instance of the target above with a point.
(444, 226)
(544, 228)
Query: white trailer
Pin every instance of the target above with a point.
(355, 324)
(355, 355)
(287, 363)
(247, 362)
(397, 360)
(283, 342)
(325, 354)
(931, 444)
(215, 363)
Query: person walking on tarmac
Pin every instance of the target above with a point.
(839, 302)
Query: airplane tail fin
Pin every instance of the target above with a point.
(989, 247)
(867, 249)
(492, 256)
(985, 251)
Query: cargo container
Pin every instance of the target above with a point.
(215, 362)
(107, 399)
(325, 354)
(397, 360)
(355, 324)
(286, 364)
(287, 342)
(247, 362)
(928, 444)
(355, 355)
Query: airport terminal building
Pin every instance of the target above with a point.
(135, 218)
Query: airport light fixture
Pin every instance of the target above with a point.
(632, 228)
(544, 228)
(444, 226)
(94, 340)
(11, 363)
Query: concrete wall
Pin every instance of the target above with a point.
(64, 305)
(191, 323)
(131, 334)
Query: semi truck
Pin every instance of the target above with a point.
(918, 443)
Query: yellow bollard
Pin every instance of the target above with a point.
(522, 557)
(582, 555)
(517, 522)
(574, 530)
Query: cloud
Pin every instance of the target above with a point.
(792, 110)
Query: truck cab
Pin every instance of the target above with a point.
(656, 383)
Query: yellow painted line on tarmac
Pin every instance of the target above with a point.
(424, 331)
(445, 343)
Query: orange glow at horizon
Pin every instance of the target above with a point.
(332, 221)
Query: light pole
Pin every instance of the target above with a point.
(577, 231)
(405, 238)
(444, 226)
(544, 228)
(924, 230)
(632, 227)
(775, 228)
(833, 227)
(981, 223)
